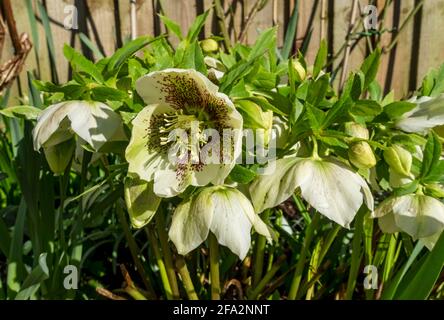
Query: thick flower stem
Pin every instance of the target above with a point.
(357, 254)
(258, 265)
(186, 279)
(267, 278)
(134, 250)
(301, 263)
(214, 267)
(160, 263)
(168, 259)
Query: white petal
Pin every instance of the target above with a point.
(331, 189)
(274, 185)
(174, 86)
(143, 161)
(419, 215)
(167, 184)
(387, 224)
(230, 223)
(191, 224)
(49, 122)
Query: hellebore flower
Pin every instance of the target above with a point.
(329, 186)
(418, 215)
(224, 211)
(428, 113)
(189, 133)
(92, 121)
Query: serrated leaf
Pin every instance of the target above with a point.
(25, 112)
(432, 154)
(396, 109)
(80, 63)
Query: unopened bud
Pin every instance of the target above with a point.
(356, 130)
(209, 45)
(299, 69)
(361, 155)
(59, 155)
(399, 159)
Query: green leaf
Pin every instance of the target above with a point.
(242, 175)
(34, 279)
(424, 279)
(432, 153)
(436, 174)
(317, 90)
(96, 51)
(366, 108)
(290, 34)
(25, 112)
(199, 22)
(396, 109)
(16, 270)
(103, 93)
(82, 64)
(321, 58)
(370, 67)
(120, 56)
(172, 26)
(390, 290)
(406, 189)
(263, 43)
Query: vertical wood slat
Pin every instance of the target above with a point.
(109, 28)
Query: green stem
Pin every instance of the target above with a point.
(134, 250)
(168, 258)
(258, 265)
(357, 254)
(160, 263)
(223, 26)
(301, 263)
(267, 278)
(186, 279)
(214, 267)
(134, 293)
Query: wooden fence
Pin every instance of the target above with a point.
(419, 44)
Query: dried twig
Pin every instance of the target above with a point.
(258, 6)
(108, 294)
(22, 45)
(133, 19)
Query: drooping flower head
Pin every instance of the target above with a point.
(428, 113)
(327, 185)
(224, 211)
(92, 121)
(418, 215)
(188, 134)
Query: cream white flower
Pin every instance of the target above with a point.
(418, 215)
(183, 101)
(92, 121)
(224, 211)
(329, 186)
(428, 113)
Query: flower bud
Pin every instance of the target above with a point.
(361, 155)
(59, 156)
(255, 118)
(399, 159)
(356, 130)
(209, 45)
(299, 69)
